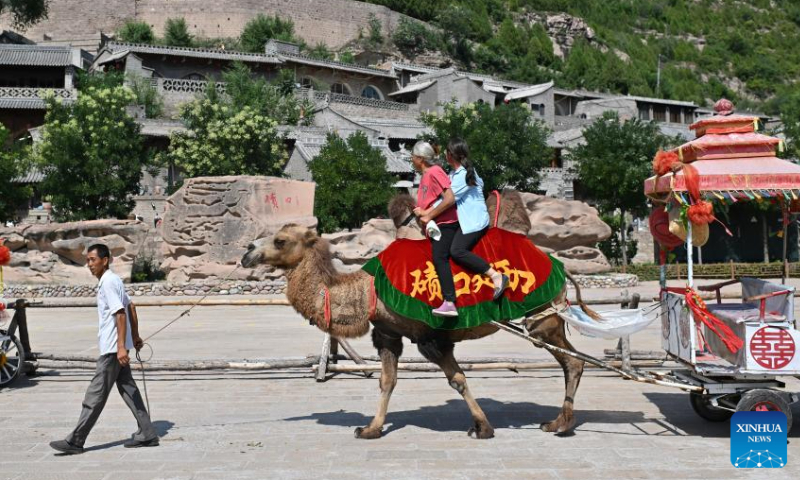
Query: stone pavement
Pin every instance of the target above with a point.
(282, 424)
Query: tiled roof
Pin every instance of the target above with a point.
(413, 87)
(22, 103)
(34, 175)
(207, 53)
(35, 55)
(337, 65)
(394, 162)
(277, 58)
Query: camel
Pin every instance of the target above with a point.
(307, 261)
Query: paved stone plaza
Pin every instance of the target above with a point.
(282, 424)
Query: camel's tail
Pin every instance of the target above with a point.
(596, 316)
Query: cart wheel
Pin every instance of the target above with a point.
(763, 400)
(702, 406)
(11, 358)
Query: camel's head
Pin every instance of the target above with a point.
(401, 211)
(285, 249)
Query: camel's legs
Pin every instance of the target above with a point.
(389, 349)
(440, 352)
(551, 330)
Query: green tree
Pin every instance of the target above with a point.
(146, 96)
(176, 33)
(236, 133)
(13, 163)
(346, 57)
(92, 155)
(352, 182)
(507, 148)
(375, 38)
(613, 162)
(320, 51)
(275, 101)
(790, 117)
(413, 38)
(224, 140)
(134, 31)
(24, 13)
(262, 28)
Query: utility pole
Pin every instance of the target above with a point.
(658, 77)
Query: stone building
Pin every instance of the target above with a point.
(178, 73)
(29, 73)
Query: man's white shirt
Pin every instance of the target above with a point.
(111, 298)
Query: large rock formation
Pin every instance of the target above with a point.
(352, 249)
(55, 253)
(209, 222)
(563, 224)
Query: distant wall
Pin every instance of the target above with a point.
(333, 22)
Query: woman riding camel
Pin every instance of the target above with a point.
(457, 206)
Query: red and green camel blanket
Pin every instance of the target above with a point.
(406, 281)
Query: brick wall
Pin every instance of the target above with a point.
(333, 22)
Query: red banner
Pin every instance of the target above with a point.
(409, 267)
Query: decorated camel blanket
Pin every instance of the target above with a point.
(406, 281)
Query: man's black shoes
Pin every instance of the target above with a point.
(65, 447)
(153, 442)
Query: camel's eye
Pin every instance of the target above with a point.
(279, 243)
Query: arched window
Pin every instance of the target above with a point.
(340, 88)
(307, 82)
(371, 92)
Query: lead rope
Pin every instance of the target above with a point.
(183, 314)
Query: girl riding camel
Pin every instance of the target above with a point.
(457, 206)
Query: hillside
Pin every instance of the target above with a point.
(745, 50)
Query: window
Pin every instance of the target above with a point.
(644, 112)
(659, 113)
(340, 88)
(688, 117)
(194, 76)
(675, 115)
(371, 92)
(307, 82)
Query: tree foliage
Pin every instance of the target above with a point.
(790, 117)
(507, 148)
(236, 133)
(13, 164)
(413, 38)
(24, 13)
(262, 28)
(92, 155)
(615, 159)
(135, 31)
(176, 33)
(725, 44)
(352, 182)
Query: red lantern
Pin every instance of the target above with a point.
(659, 227)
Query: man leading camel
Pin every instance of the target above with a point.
(118, 333)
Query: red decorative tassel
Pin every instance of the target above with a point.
(665, 162)
(692, 179)
(701, 212)
(5, 254)
(720, 329)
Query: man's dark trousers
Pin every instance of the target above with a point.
(109, 372)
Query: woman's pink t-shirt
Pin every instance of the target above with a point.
(434, 181)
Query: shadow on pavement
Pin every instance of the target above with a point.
(677, 411)
(454, 416)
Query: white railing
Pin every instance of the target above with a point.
(35, 92)
(179, 85)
